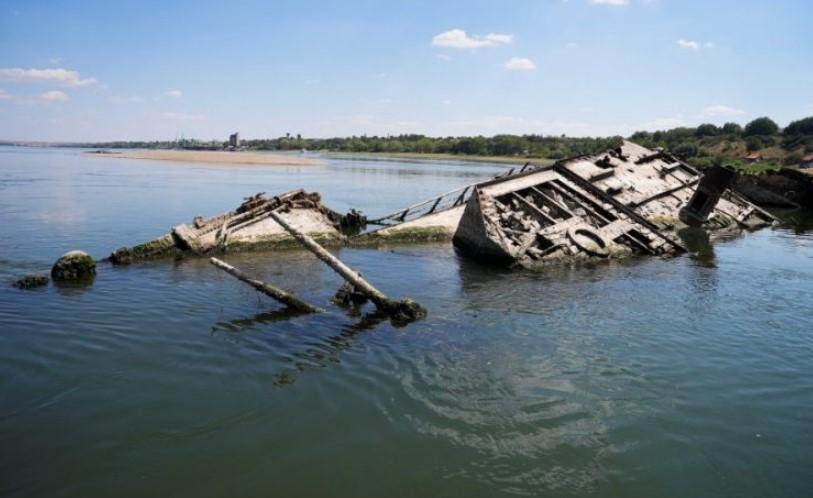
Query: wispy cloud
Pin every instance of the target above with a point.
(614, 3)
(457, 38)
(60, 76)
(173, 93)
(688, 44)
(721, 110)
(693, 44)
(4, 95)
(55, 60)
(520, 64)
(444, 57)
(54, 96)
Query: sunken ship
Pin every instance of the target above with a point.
(626, 201)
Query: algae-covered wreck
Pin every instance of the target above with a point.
(627, 201)
(250, 226)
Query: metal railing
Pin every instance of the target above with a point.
(442, 202)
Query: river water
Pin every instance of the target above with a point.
(681, 377)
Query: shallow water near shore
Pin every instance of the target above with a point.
(690, 376)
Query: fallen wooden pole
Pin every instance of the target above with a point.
(403, 310)
(280, 295)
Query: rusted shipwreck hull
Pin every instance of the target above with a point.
(249, 227)
(628, 201)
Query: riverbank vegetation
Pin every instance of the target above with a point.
(766, 145)
(757, 147)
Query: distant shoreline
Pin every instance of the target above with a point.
(213, 157)
(429, 156)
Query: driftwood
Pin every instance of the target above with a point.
(280, 295)
(405, 310)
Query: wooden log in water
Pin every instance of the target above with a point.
(280, 295)
(405, 310)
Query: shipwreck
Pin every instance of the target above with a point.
(248, 227)
(627, 201)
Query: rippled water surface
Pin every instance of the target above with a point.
(683, 377)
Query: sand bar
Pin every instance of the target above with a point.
(221, 157)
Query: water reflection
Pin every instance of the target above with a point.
(320, 354)
(800, 220)
(698, 242)
(73, 288)
(245, 324)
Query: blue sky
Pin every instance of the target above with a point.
(88, 70)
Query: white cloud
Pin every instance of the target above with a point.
(173, 93)
(4, 95)
(54, 96)
(693, 44)
(61, 76)
(55, 60)
(457, 38)
(614, 3)
(520, 64)
(444, 57)
(721, 110)
(689, 44)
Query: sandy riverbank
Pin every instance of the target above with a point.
(219, 157)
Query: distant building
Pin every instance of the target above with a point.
(806, 162)
(753, 157)
(234, 140)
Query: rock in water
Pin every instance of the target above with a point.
(73, 265)
(30, 281)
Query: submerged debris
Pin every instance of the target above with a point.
(401, 312)
(31, 281)
(280, 295)
(348, 295)
(74, 265)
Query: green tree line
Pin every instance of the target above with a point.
(702, 145)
